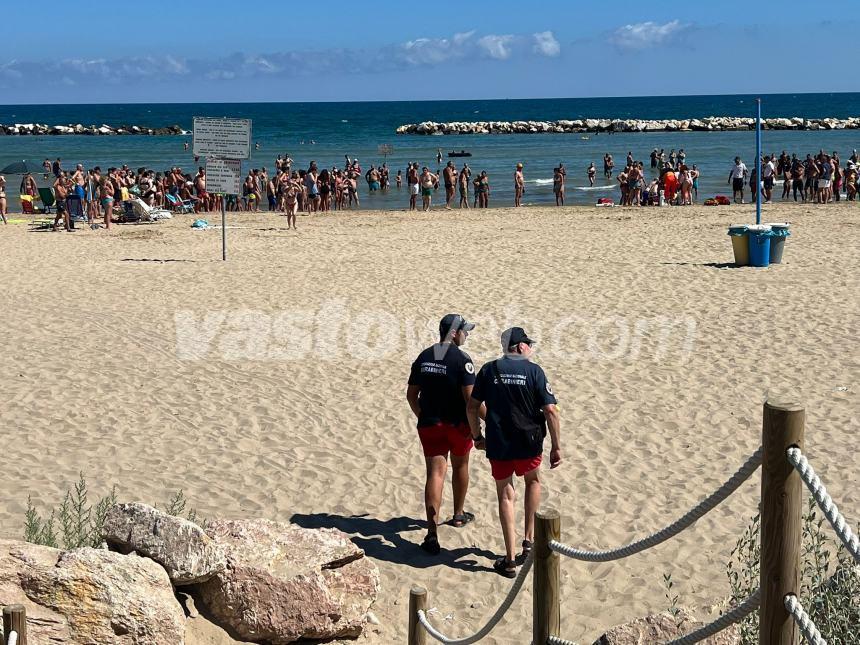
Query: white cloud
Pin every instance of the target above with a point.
(645, 34)
(497, 47)
(461, 46)
(546, 44)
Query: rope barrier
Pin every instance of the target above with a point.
(804, 622)
(824, 501)
(706, 505)
(736, 615)
(494, 619)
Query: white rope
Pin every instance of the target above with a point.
(807, 627)
(736, 615)
(13, 638)
(813, 483)
(494, 619)
(555, 640)
(706, 505)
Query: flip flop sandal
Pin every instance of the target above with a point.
(527, 549)
(459, 521)
(431, 544)
(506, 568)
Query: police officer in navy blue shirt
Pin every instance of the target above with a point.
(440, 384)
(520, 406)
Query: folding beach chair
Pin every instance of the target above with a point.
(128, 213)
(180, 205)
(48, 199)
(28, 209)
(147, 213)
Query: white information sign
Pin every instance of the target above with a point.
(225, 138)
(224, 176)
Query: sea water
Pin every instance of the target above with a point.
(325, 132)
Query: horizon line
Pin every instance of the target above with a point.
(543, 98)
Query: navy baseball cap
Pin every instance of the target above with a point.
(514, 336)
(454, 322)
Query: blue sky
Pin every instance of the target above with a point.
(291, 51)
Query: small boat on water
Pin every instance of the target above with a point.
(462, 153)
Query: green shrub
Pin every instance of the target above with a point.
(77, 524)
(830, 582)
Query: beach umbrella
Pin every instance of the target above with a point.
(22, 168)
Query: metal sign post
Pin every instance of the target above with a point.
(223, 176)
(224, 143)
(758, 174)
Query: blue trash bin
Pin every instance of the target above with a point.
(759, 242)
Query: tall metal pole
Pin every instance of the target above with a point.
(224, 227)
(758, 162)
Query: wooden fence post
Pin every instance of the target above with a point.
(417, 600)
(546, 602)
(781, 522)
(15, 619)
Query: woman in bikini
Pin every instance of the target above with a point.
(291, 200)
(3, 199)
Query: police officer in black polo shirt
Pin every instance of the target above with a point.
(520, 405)
(440, 384)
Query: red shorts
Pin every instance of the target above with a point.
(442, 438)
(502, 469)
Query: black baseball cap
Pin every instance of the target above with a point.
(452, 323)
(514, 336)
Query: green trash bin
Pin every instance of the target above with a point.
(777, 242)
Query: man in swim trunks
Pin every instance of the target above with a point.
(412, 181)
(519, 186)
(592, 171)
(202, 203)
(449, 176)
(608, 165)
(634, 185)
(520, 405)
(79, 178)
(440, 384)
(463, 183)
(737, 177)
(62, 185)
(372, 177)
(428, 182)
(768, 174)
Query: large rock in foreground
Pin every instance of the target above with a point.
(18, 559)
(181, 547)
(284, 583)
(662, 628)
(90, 596)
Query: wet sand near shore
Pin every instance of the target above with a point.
(288, 401)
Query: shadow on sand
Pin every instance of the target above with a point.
(383, 540)
(713, 265)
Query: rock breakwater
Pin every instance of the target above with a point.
(707, 124)
(41, 129)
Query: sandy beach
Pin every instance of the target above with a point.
(273, 385)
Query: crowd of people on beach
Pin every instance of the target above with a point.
(821, 178)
